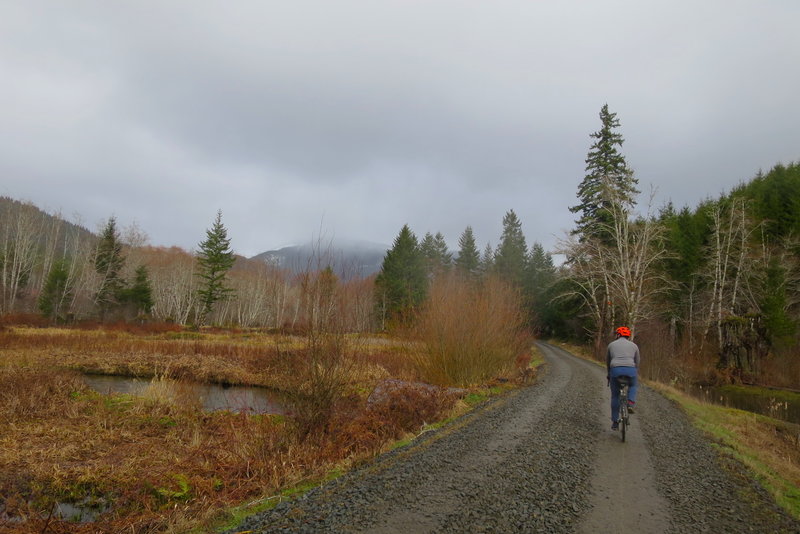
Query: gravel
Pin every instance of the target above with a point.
(525, 462)
(707, 491)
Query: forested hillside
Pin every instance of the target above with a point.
(733, 274)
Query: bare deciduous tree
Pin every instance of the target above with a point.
(729, 267)
(615, 275)
(19, 240)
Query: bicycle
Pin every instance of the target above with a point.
(624, 383)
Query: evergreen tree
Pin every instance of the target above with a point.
(56, 293)
(780, 327)
(774, 198)
(434, 251)
(686, 240)
(401, 284)
(512, 253)
(539, 280)
(140, 293)
(108, 263)
(608, 183)
(215, 260)
(445, 257)
(469, 258)
(487, 260)
(541, 271)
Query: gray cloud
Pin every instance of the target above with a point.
(352, 118)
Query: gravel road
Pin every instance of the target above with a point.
(543, 459)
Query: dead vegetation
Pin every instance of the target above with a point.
(156, 462)
(470, 332)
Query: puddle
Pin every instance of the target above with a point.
(86, 511)
(212, 397)
(82, 512)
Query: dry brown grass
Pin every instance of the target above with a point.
(161, 463)
(228, 358)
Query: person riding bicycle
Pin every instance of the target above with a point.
(622, 359)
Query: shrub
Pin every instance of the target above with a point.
(24, 319)
(322, 370)
(470, 331)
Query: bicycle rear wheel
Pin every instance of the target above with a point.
(623, 412)
(623, 420)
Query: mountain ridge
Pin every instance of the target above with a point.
(348, 258)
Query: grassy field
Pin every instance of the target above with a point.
(156, 462)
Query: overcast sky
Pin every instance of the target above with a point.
(339, 119)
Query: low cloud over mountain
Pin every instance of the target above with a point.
(346, 258)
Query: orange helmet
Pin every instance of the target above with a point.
(623, 331)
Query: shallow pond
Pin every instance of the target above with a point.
(211, 397)
(778, 404)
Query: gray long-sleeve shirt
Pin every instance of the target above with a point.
(622, 352)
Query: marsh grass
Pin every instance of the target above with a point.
(156, 461)
(211, 358)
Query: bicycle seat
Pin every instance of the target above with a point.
(624, 380)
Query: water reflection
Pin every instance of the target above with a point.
(755, 400)
(210, 396)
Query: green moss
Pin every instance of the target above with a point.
(118, 402)
(400, 443)
(167, 422)
(181, 490)
(475, 398)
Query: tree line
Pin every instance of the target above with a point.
(411, 265)
(719, 279)
(66, 273)
(720, 282)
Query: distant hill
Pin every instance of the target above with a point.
(347, 258)
(11, 209)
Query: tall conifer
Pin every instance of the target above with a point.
(108, 262)
(609, 182)
(401, 284)
(469, 259)
(215, 259)
(512, 253)
(434, 251)
(140, 293)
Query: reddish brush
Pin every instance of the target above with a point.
(471, 331)
(24, 319)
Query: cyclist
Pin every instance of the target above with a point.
(622, 359)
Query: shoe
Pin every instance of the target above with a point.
(631, 407)
(615, 425)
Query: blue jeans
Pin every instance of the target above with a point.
(617, 372)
